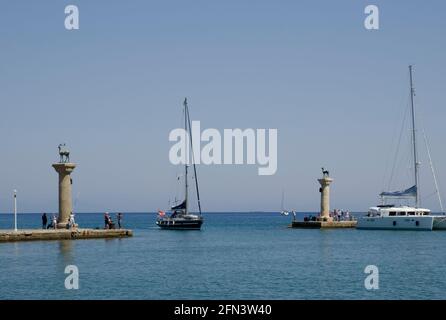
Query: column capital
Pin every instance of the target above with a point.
(64, 168)
(325, 181)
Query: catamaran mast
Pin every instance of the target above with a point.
(187, 157)
(414, 140)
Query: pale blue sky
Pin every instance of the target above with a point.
(113, 91)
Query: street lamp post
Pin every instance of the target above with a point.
(15, 210)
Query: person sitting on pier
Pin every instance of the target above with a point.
(108, 221)
(111, 224)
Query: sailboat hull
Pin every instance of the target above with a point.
(180, 224)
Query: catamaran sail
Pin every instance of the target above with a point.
(408, 193)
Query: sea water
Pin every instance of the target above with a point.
(234, 256)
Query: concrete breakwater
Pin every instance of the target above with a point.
(66, 227)
(62, 234)
(323, 224)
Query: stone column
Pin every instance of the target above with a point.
(325, 198)
(65, 207)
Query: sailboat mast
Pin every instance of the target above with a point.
(414, 139)
(281, 203)
(193, 163)
(187, 157)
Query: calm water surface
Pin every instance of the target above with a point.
(235, 256)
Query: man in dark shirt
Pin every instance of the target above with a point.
(44, 221)
(106, 221)
(119, 218)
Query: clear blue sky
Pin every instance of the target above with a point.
(113, 91)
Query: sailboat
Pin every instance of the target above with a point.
(283, 212)
(392, 217)
(180, 217)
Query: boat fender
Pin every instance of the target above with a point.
(394, 223)
(417, 223)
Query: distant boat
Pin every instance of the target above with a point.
(283, 212)
(392, 217)
(180, 217)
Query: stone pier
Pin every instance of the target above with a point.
(324, 221)
(63, 231)
(65, 203)
(62, 234)
(323, 224)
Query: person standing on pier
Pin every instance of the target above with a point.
(44, 221)
(107, 221)
(119, 218)
(72, 223)
(54, 222)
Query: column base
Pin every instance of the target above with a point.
(65, 225)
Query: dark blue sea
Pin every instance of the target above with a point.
(234, 256)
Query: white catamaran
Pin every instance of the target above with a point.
(391, 217)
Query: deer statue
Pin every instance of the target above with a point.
(64, 152)
(325, 173)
